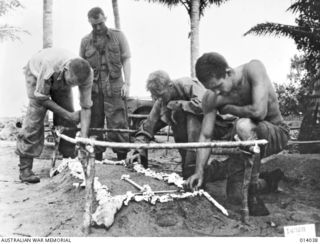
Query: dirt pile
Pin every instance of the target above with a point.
(8, 129)
(55, 208)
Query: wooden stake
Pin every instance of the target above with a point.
(88, 163)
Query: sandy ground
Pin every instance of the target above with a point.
(55, 208)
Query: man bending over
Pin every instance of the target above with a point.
(246, 92)
(50, 74)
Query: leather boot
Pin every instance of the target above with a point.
(255, 203)
(26, 174)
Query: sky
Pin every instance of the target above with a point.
(157, 35)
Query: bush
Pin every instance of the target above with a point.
(290, 97)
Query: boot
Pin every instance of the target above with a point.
(255, 204)
(26, 175)
(272, 179)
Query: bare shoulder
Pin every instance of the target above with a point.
(209, 102)
(255, 65)
(255, 70)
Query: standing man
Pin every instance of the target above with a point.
(50, 75)
(108, 53)
(178, 104)
(246, 92)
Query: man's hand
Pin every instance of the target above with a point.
(226, 109)
(175, 107)
(125, 90)
(75, 117)
(194, 182)
(133, 156)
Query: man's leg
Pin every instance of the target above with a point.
(64, 98)
(246, 130)
(97, 121)
(180, 134)
(193, 128)
(277, 136)
(30, 140)
(114, 108)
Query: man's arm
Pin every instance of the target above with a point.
(85, 121)
(86, 103)
(127, 76)
(56, 109)
(259, 80)
(125, 59)
(203, 154)
(209, 104)
(197, 93)
(145, 134)
(82, 48)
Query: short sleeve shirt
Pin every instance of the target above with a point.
(50, 63)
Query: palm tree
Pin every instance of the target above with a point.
(47, 23)
(8, 31)
(195, 9)
(116, 15)
(306, 35)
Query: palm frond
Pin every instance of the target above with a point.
(205, 3)
(304, 6)
(279, 30)
(11, 33)
(216, 2)
(187, 3)
(6, 5)
(169, 3)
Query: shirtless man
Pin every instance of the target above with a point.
(247, 92)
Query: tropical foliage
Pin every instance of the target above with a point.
(306, 35)
(8, 32)
(291, 94)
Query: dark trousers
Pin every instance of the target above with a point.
(113, 110)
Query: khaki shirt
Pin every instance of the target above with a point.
(189, 94)
(116, 51)
(47, 69)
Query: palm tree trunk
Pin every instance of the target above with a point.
(194, 34)
(116, 14)
(47, 24)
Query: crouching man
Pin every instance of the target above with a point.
(246, 92)
(178, 104)
(50, 74)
